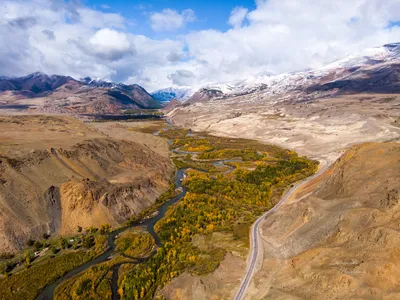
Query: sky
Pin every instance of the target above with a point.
(161, 43)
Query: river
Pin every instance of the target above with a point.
(48, 292)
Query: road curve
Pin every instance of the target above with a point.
(254, 235)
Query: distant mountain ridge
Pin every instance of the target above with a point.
(35, 83)
(113, 96)
(371, 70)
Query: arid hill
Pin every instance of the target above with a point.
(339, 236)
(57, 174)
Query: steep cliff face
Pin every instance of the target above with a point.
(95, 181)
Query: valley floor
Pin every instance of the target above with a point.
(230, 182)
(335, 237)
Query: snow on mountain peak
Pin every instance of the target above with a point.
(286, 82)
(171, 93)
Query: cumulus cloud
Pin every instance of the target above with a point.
(92, 43)
(182, 77)
(285, 35)
(170, 19)
(237, 17)
(109, 44)
(59, 37)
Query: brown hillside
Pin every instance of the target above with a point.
(342, 240)
(57, 173)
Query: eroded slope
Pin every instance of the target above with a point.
(57, 173)
(339, 237)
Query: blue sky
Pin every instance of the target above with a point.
(160, 43)
(209, 14)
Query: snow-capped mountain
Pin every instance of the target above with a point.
(355, 72)
(98, 82)
(171, 93)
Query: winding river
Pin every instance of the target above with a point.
(48, 292)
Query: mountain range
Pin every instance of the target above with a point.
(371, 70)
(64, 94)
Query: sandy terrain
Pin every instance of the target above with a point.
(219, 285)
(23, 134)
(126, 131)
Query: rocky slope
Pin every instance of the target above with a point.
(63, 94)
(57, 174)
(338, 238)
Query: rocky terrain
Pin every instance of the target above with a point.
(40, 93)
(339, 236)
(58, 174)
(317, 112)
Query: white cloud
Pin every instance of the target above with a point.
(170, 19)
(47, 38)
(288, 35)
(183, 78)
(58, 37)
(237, 17)
(110, 44)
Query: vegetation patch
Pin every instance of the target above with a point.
(28, 283)
(155, 112)
(43, 262)
(169, 194)
(215, 203)
(149, 129)
(187, 162)
(95, 283)
(135, 244)
(218, 208)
